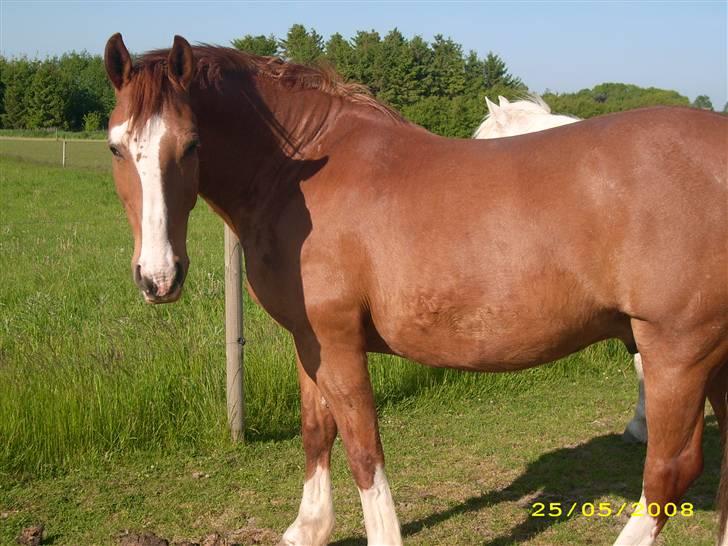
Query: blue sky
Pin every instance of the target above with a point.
(562, 46)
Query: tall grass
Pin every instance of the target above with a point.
(89, 372)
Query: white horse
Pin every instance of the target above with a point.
(527, 116)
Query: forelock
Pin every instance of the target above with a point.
(150, 90)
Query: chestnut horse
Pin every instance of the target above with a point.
(363, 232)
(527, 116)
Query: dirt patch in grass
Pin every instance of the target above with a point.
(249, 534)
(30, 536)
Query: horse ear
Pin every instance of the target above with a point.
(181, 62)
(117, 61)
(492, 108)
(497, 112)
(502, 101)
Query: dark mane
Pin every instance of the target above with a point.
(151, 89)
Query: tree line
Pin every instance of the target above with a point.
(69, 92)
(435, 84)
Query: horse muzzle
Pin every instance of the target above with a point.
(160, 287)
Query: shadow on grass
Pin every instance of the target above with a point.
(603, 466)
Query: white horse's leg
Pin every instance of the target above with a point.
(636, 430)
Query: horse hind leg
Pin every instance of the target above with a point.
(636, 431)
(718, 396)
(676, 380)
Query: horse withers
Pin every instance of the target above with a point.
(362, 232)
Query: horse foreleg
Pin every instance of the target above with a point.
(342, 376)
(636, 430)
(315, 519)
(675, 394)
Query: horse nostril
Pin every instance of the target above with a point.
(159, 286)
(149, 286)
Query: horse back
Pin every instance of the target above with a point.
(510, 252)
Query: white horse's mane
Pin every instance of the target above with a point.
(531, 103)
(531, 113)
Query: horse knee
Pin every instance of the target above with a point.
(318, 437)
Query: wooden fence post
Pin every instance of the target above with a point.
(63, 157)
(234, 340)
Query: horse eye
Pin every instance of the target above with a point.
(115, 150)
(191, 146)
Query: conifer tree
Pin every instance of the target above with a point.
(302, 46)
(258, 45)
(47, 98)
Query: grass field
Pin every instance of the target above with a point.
(108, 406)
(52, 134)
(85, 154)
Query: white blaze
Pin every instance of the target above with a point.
(315, 519)
(380, 519)
(156, 257)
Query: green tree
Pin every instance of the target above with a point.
(448, 68)
(612, 97)
(3, 70)
(47, 98)
(725, 108)
(421, 56)
(340, 54)
(302, 46)
(92, 121)
(453, 117)
(258, 45)
(394, 70)
(703, 102)
(97, 82)
(366, 45)
(87, 88)
(474, 73)
(17, 77)
(496, 73)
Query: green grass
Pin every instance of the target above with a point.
(53, 133)
(107, 405)
(462, 470)
(79, 153)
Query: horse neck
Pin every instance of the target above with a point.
(257, 138)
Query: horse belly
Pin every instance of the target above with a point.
(498, 336)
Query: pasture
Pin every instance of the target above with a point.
(112, 412)
(85, 154)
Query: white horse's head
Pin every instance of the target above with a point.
(517, 118)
